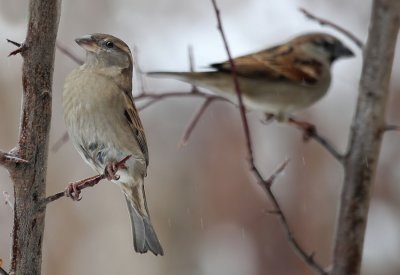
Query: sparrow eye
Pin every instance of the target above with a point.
(323, 43)
(109, 44)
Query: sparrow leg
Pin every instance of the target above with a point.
(73, 189)
(268, 118)
(308, 129)
(111, 170)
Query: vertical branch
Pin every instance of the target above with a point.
(235, 80)
(30, 178)
(366, 136)
(266, 184)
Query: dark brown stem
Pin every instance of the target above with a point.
(68, 53)
(192, 124)
(267, 184)
(328, 146)
(235, 80)
(366, 137)
(85, 183)
(324, 22)
(155, 97)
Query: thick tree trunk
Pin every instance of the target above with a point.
(366, 136)
(30, 178)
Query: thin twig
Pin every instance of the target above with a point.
(155, 97)
(391, 128)
(192, 66)
(7, 159)
(68, 53)
(193, 122)
(60, 142)
(139, 72)
(328, 146)
(85, 183)
(235, 80)
(324, 22)
(309, 259)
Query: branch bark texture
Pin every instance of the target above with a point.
(30, 178)
(366, 137)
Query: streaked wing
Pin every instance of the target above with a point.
(133, 119)
(278, 63)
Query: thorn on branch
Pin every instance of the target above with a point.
(74, 189)
(21, 47)
(194, 121)
(270, 181)
(391, 128)
(9, 160)
(324, 22)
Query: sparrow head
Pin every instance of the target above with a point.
(105, 50)
(322, 46)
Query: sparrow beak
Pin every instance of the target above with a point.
(87, 42)
(342, 51)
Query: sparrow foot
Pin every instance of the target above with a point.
(73, 189)
(111, 170)
(268, 118)
(308, 129)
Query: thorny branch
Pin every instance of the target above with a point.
(267, 184)
(7, 159)
(85, 183)
(324, 22)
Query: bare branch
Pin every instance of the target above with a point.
(68, 53)
(328, 146)
(366, 136)
(60, 142)
(324, 22)
(309, 259)
(29, 181)
(85, 183)
(194, 120)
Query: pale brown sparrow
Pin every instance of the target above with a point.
(278, 80)
(105, 127)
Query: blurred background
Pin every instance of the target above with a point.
(211, 216)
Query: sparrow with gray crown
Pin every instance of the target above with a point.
(278, 80)
(104, 126)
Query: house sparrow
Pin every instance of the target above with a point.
(278, 80)
(105, 127)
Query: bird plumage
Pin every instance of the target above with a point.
(104, 126)
(278, 80)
